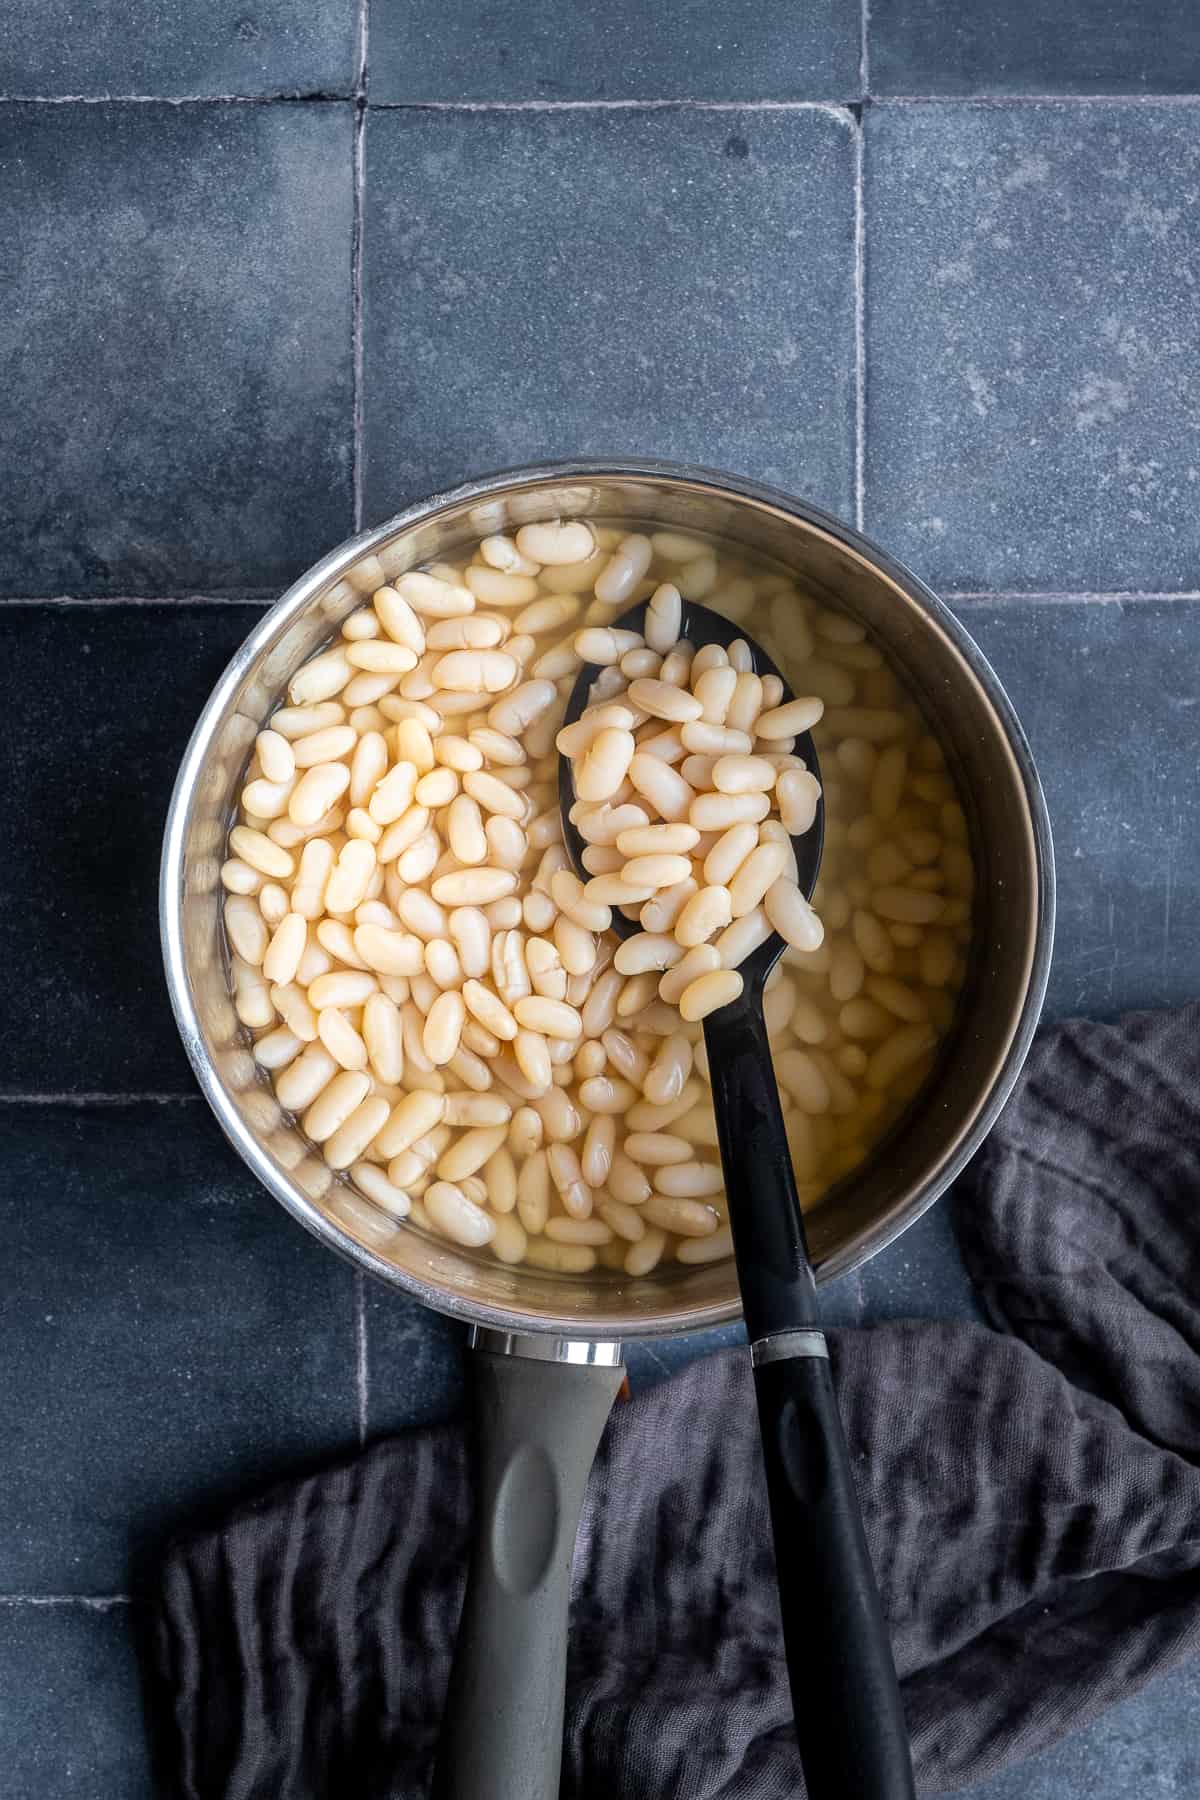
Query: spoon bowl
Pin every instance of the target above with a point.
(700, 626)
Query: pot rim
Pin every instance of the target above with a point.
(862, 1244)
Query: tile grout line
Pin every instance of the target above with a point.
(18, 1097)
(250, 597)
(681, 102)
(64, 601)
(860, 327)
(361, 1374)
(1068, 596)
(317, 97)
(1035, 100)
(95, 1602)
(356, 261)
(838, 109)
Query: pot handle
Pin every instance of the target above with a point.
(537, 1424)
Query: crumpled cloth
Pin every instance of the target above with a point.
(1031, 1495)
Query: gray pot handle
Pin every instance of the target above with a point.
(537, 1425)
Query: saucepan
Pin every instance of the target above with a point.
(547, 1360)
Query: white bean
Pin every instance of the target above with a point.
(282, 958)
(623, 570)
(238, 877)
(342, 987)
(456, 1217)
(556, 542)
(340, 1038)
(662, 700)
(267, 800)
(664, 787)
(729, 853)
(320, 679)
(501, 553)
(714, 1248)
(790, 720)
(465, 1154)
(372, 1181)
(355, 1133)
(567, 1176)
(660, 912)
(473, 887)
(647, 950)
(317, 791)
(604, 764)
(304, 1079)
(246, 928)
(277, 1049)
(383, 1035)
(708, 992)
(432, 598)
(717, 812)
(664, 616)
(255, 848)
(761, 869)
(703, 739)
(644, 1256)
(655, 872)
(410, 1119)
(275, 756)
(743, 774)
(443, 1028)
(334, 1105)
(745, 934)
(708, 910)
(552, 1018)
(798, 793)
(686, 1218)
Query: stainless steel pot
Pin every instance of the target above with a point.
(550, 1362)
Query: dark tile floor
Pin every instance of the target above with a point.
(382, 246)
(536, 50)
(1032, 378)
(178, 404)
(676, 281)
(1010, 47)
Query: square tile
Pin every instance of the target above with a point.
(920, 1275)
(516, 50)
(70, 1711)
(99, 702)
(1146, 1745)
(1033, 372)
(171, 1339)
(414, 1362)
(144, 47)
(651, 1360)
(1010, 47)
(1107, 695)
(177, 282)
(664, 282)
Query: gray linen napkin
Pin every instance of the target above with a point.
(1032, 1499)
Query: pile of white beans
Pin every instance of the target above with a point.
(440, 1000)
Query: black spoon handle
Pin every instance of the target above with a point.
(849, 1722)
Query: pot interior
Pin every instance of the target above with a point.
(1010, 844)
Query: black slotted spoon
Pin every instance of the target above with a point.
(849, 1722)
